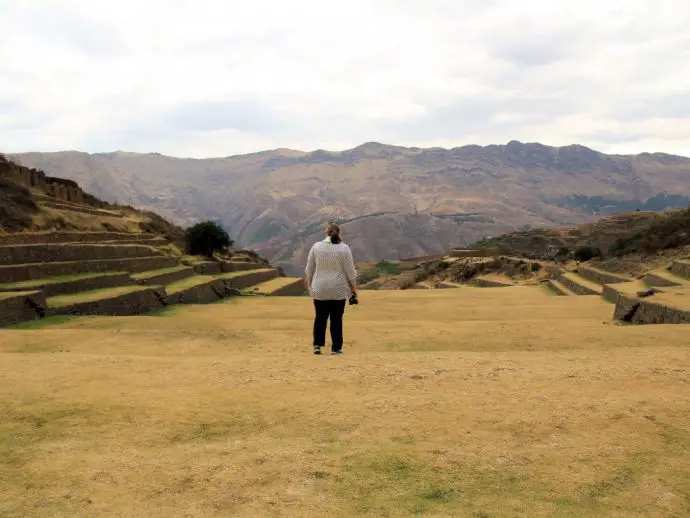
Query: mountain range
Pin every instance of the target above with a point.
(394, 202)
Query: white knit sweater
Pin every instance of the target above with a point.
(328, 269)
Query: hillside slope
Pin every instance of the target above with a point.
(398, 202)
(32, 201)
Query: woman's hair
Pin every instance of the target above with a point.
(333, 231)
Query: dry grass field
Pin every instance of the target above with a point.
(479, 403)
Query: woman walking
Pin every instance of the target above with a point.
(331, 280)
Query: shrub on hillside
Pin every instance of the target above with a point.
(668, 231)
(207, 238)
(585, 253)
(387, 268)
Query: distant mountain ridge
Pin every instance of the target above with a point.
(398, 202)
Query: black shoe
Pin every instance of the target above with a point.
(317, 349)
(336, 352)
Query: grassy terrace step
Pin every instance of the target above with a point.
(25, 272)
(202, 289)
(163, 276)
(579, 285)
(66, 284)
(23, 254)
(664, 278)
(282, 286)
(127, 300)
(559, 288)
(250, 278)
(37, 238)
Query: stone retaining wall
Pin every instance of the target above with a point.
(207, 268)
(21, 307)
(93, 283)
(625, 307)
(610, 293)
(166, 278)
(251, 279)
(576, 287)
(555, 287)
(29, 254)
(28, 272)
(82, 209)
(650, 312)
(22, 238)
(600, 277)
(240, 266)
(294, 289)
(211, 291)
(681, 268)
(651, 279)
(134, 303)
(485, 283)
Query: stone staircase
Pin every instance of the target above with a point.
(102, 273)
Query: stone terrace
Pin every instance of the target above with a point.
(104, 273)
(659, 297)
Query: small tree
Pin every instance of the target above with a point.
(206, 238)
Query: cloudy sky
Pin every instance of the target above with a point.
(219, 77)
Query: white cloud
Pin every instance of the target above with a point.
(215, 77)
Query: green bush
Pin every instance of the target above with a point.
(207, 238)
(387, 268)
(585, 253)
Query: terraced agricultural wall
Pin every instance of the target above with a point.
(250, 279)
(27, 272)
(649, 312)
(239, 266)
(134, 303)
(166, 278)
(68, 287)
(69, 237)
(486, 283)
(576, 287)
(207, 268)
(625, 307)
(294, 289)
(600, 277)
(206, 293)
(20, 307)
(28, 254)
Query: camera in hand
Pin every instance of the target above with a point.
(353, 299)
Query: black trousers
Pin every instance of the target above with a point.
(334, 310)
